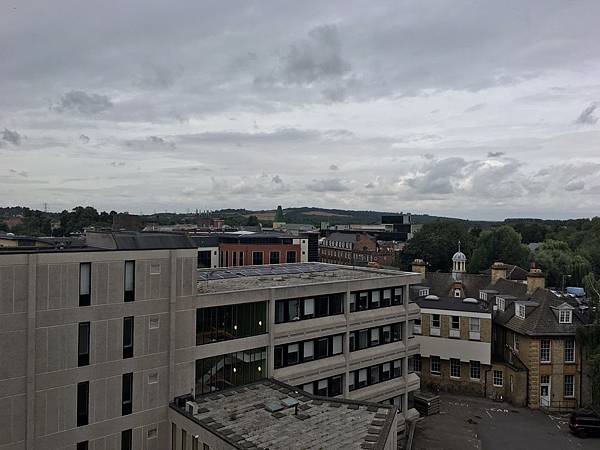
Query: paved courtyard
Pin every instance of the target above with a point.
(466, 423)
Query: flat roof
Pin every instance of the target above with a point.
(453, 304)
(272, 415)
(284, 275)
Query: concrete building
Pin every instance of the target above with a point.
(270, 414)
(97, 341)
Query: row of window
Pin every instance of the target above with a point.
(379, 298)
(85, 283)
(222, 323)
(435, 368)
(233, 369)
(291, 310)
(372, 337)
(83, 399)
(84, 341)
(237, 258)
(327, 387)
(375, 374)
(546, 353)
(126, 441)
(300, 352)
(184, 435)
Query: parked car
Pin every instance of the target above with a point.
(585, 422)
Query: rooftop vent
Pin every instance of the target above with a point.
(471, 300)
(432, 297)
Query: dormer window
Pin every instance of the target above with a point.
(423, 292)
(520, 310)
(457, 293)
(565, 316)
(483, 296)
(501, 303)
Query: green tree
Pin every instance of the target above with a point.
(35, 223)
(436, 242)
(499, 244)
(279, 216)
(557, 260)
(3, 226)
(252, 221)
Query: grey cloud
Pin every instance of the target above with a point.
(20, 173)
(587, 115)
(84, 103)
(575, 186)
(495, 154)
(328, 185)
(11, 137)
(335, 94)
(157, 77)
(474, 108)
(334, 167)
(83, 138)
(276, 179)
(436, 176)
(117, 163)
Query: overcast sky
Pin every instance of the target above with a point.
(478, 109)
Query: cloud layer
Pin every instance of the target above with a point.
(483, 110)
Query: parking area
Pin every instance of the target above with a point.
(466, 423)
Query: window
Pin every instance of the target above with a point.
(127, 394)
(457, 293)
(374, 299)
(474, 328)
(83, 403)
(83, 345)
(173, 436)
(501, 303)
(498, 378)
(335, 386)
(435, 320)
(374, 337)
(274, 258)
(155, 269)
(292, 354)
(291, 256)
(363, 301)
(475, 370)
(219, 372)
(322, 348)
(397, 370)
(85, 280)
(153, 378)
(455, 323)
(128, 337)
(569, 350)
(455, 368)
(82, 445)
(565, 316)
(183, 439)
(569, 386)
(387, 297)
(520, 310)
(353, 298)
(257, 258)
(386, 371)
(417, 326)
(398, 296)
(308, 308)
(414, 363)
(126, 441)
(337, 345)
(362, 378)
(545, 351)
(423, 292)
(374, 374)
(482, 295)
(222, 323)
(241, 258)
(516, 342)
(322, 387)
(152, 433)
(435, 365)
(129, 281)
(322, 308)
(154, 323)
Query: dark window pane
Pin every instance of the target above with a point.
(335, 386)
(363, 339)
(280, 311)
(83, 394)
(83, 356)
(374, 373)
(128, 337)
(278, 356)
(257, 258)
(336, 304)
(322, 306)
(274, 258)
(126, 441)
(85, 284)
(127, 394)
(129, 294)
(82, 445)
(291, 257)
(322, 348)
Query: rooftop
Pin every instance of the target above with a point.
(453, 304)
(284, 275)
(272, 415)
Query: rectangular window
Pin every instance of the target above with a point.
(475, 370)
(309, 308)
(127, 394)
(241, 258)
(292, 354)
(363, 301)
(337, 345)
(221, 323)
(126, 440)
(501, 303)
(455, 323)
(397, 370)
(257, 258)
(455, 368)
(183, 439)
(569, 350)
(83, 403)
(435, 365)
(308, 351)
(362, 378)
(353, 298)
(322, 306)
(336, 304)
(374, 299)
(417, 326)
(128, 337)
(82, 445)
(396, 332)
(374, 337)
(435, 321)
(387, 334)
(322, 388)
(387, 297)
(129, 281)
(274, 258)
(308, 387)
(280, 311)
(520, 310)
(234, 254)
(83, 345)
(474, 328)
(386, 371)
(569, 385)
(335, 386)
(545, 350)
(498, 378)
(322, 347)
(363, 339)
(398, 296)
(565, 316)
(291, 256)
(85, 284)
(374, 373)
(173, 436)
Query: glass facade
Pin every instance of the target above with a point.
(222, 323)
(294, 309)
(233, 369)
(372, 337)
(378, 298)
(327, 387)
(300, 352)
(375, 374)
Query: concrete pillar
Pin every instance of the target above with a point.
(32, 260)
(172, 317)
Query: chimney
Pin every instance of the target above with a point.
(499, 270)
(535, 279)
(419, 266)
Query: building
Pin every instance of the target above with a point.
(270, 414)
(98, 341)
(246, 248)
(355, 249)
(528, 352)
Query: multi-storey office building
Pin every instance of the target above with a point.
(97, 341)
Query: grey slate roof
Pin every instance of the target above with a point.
(452, 304)
(132, 240)
(440, 283)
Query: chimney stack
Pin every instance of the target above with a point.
(419, 266)
(535, 279)
(499, 270)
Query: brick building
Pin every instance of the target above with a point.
(355, 249)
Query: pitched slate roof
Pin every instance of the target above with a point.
(512, 273)
(440, 283)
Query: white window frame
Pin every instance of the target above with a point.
(439, 364)
(520, 310)
(482, 295)
(423, 292)
(474, 328)
(501, 303)
(568, 316)
(471, 369)
(572, 386)
(498, 378)
(435, 330)
(543, 350)
(453, 367)
(572, 350)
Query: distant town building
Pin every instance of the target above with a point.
(355, 249)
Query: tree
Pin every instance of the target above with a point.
(499, 244)
(3, 226)
(279, 217)
(557, 260)
(437, 242)
(252, 221)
